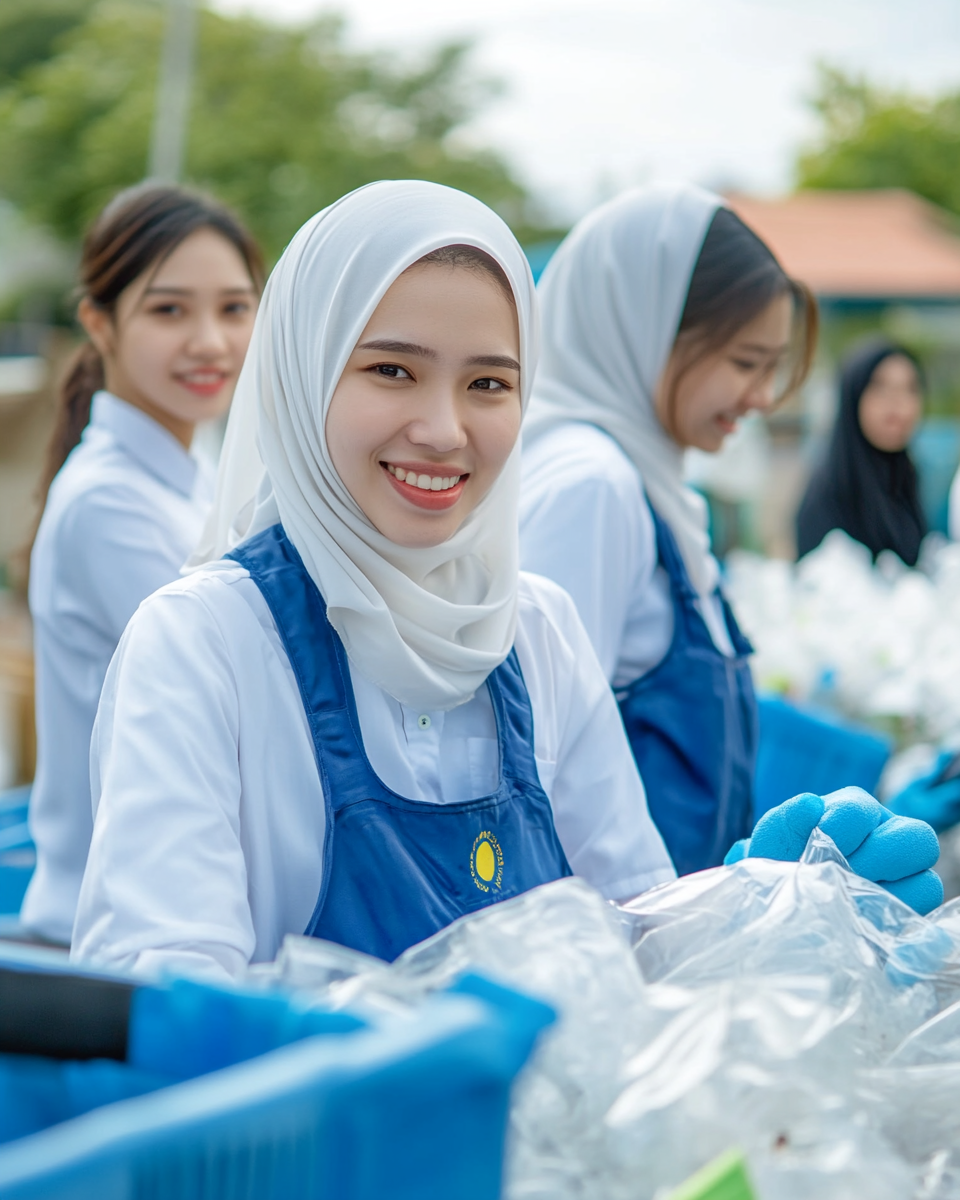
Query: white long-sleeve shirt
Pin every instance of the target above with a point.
(121, 517)
(208, 839)
(585, 522)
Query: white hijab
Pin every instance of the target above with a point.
(611, 300)
(426, 625)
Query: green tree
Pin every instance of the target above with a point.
(30, 30)
(283, 121)
(873, 138)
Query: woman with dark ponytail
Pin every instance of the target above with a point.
(169, 286)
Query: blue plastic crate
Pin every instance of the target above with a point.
(17, 852)
(411, 1108)
(807, 750)
(935, 450)
(538, 255)
(17, 861)
(14, 803)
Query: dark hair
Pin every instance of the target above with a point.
(735, 278)
(871, 494)
(473, 259)
(137, 230)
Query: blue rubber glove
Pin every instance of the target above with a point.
(938, 805)
(896, 852)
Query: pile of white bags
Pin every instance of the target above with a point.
(880, 643)
(793, 1010)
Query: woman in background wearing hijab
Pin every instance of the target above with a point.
(665, 321)
(867, 484)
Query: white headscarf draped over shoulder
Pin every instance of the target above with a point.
(426, 625)
(611, 300)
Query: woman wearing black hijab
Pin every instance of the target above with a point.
(867, 485)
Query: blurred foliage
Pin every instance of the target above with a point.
(283, 120)
(873, 138)
(30, 30)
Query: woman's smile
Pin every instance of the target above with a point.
(204, 381)
(432, 486)
(727, 423)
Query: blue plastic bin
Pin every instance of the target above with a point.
(400, 1108)
(14, 803)
(538, 255)
(807, 750)
(935, 450)
(17, 853)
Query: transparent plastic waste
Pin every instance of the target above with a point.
(562, 943)
(806, 621)
(792, 1010)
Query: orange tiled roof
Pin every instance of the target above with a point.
(887, 243)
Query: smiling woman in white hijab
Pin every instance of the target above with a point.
(354, 717)
(665, 320)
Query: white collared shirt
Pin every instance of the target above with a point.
(208, 839)
(121, 517)
(585, 523)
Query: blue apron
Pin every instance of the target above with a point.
(395, 870)
(692, 724)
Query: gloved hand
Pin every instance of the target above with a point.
(896, 852)
(938, 805)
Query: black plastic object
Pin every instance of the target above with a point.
(63, 1016)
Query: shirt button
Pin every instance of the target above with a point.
(423, 721)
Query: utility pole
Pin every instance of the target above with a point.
(173, 92)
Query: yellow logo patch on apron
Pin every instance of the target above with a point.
(486, 862)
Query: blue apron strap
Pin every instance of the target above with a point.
(672, 561)
(691, 722)
(741, 643)
(668, 553)
(511, 704)
(269, 557)
(322, 675)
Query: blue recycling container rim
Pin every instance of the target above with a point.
(254, 1091)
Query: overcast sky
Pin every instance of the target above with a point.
(604, 94)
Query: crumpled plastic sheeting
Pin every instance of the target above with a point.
(808, 979)
(806, 622)
(562, 942)
(915, 1098)
(793, 1009)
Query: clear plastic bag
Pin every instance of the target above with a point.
(562, 943)
(801, 984)
(792, 1009)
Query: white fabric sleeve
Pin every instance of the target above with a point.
(588, 771)
(596, 539)
(114, 551)
(166, 880)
